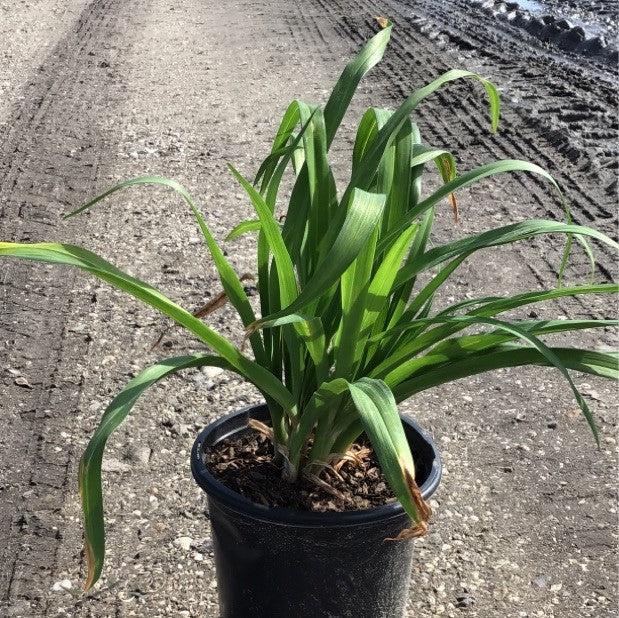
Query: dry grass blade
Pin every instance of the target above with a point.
(260, 427)
(355, 455)
(213, 305)
(327, 487)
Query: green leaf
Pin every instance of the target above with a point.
(55, 253)
(456, 347)
(341, 95)
(311, 330)
(368, 166)
(379, 291)
(600, 364)
(245, 227)
(363, 216)
(476, 343)
(464, 180)
(229, 279)
(272, 232)
(321, 407)
(377, 409)
(420, 341)
(493, 238)
(353, 290)
(90, 463)
(526, 335)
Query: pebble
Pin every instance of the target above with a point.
(212, 372)
(464, 600)
(540, 582)
(184, 542)
(140, 454)
(62, 586)
(114, 465)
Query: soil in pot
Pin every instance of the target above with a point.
(247, 464)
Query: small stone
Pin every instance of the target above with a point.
(140, 454)
(23, 382)
(541, 581)
(62, 586)
(464, 600)
(114, 465)
(184, 542)
(551, 424)
(212, 372)
(206, 546)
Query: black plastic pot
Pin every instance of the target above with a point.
(281, 563)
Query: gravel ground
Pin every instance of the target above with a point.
(96, 91)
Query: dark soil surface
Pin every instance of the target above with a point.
(601, 15)
(574, 27)
(246, 464)
(94, 91)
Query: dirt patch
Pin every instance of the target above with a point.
(246, 464)
(563, 26)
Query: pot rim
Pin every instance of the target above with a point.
(279, 515)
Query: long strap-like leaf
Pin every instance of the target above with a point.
(90, 463)
(343, 91)
(486, 307)
(363, 216)
(526, 335)
(493, 238)
(377, 409)
(600, 364)
(368, 166)
(229, 279)
(56, 253)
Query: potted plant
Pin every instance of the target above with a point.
(315, 496)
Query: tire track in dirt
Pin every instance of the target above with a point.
(50, 153)
(575, 115)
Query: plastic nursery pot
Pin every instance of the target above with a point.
(276, 562)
